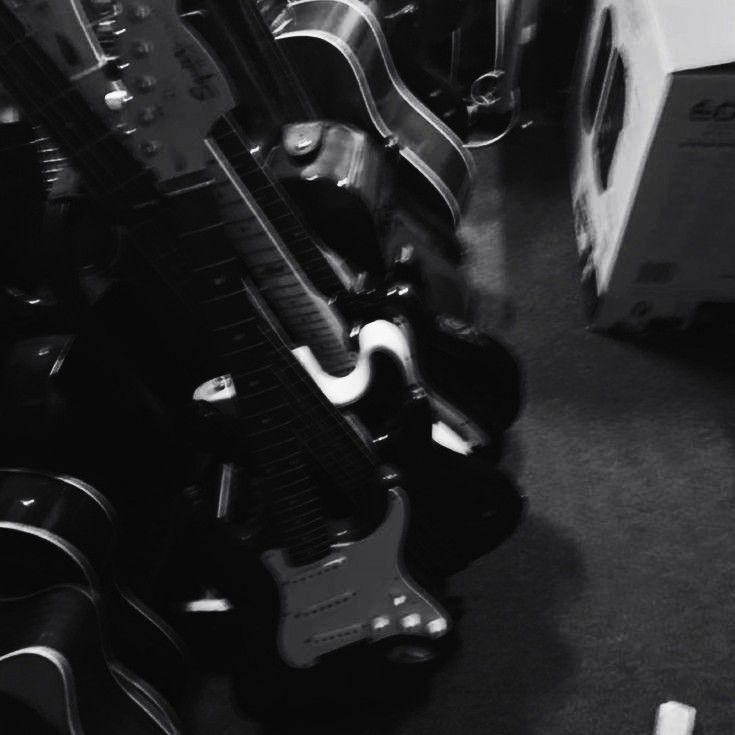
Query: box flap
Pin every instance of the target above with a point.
(695, 33)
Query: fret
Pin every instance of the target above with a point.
(199, 262)
(201, 230)
(297, 492)
(248, 228)
(259, 434)
(226, 295)
(300, 520)
(231, 336)
(285, 472)
(226, 261)
(293, 287)
(309, 527)
(292, 486)
(220, 312)
(265, 416)
(277, 446)
(304, 542)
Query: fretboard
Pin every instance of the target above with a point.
(209, 275)
(256, 220)
(285, 416)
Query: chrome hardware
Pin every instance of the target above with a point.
(408, 9)
(483, 89)
(300, 139)
(411, 622)
(126, 128)
(117, 97)
(437, 628)
(380, 623)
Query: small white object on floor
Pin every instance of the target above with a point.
(674, 718)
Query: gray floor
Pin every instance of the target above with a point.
(617, 593)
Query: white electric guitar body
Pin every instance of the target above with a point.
(358, 592)
(452, 429)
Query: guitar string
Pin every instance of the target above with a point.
(69, 89)
(304, 379)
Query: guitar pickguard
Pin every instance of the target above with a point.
(359, 592)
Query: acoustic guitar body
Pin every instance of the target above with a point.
(342, 41)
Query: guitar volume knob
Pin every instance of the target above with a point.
(411, 622)
(436, 628)
(379, 624)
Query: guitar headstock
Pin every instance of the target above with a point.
(138, 65)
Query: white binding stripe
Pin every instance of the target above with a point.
(67, 678)
(143, 609)
(93, 493)
(419, 106)
(410, 155)
(145, 696)
(445, 192)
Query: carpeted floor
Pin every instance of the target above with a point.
(617, 593)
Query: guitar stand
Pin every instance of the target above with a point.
(488, 110)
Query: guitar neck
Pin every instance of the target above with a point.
(274, 393)
(275, 397)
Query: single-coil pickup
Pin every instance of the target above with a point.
(353, 631)
(330, 566)
(329, 604)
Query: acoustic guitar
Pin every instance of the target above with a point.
(151, 155)
(343, 41)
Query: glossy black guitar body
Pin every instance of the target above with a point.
(59, 530)
(341, 179)
(490, 389)
(470, 505)
(343, 42)
(54, 658)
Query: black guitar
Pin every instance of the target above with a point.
(55, 658)
(287, 263)
(301, 448)
(60, 530)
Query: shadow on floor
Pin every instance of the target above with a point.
(517, 661)
(510, 662)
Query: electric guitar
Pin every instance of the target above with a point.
(433, 348)
(139, 132)
(346, 186)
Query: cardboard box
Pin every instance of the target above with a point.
(653, 159)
